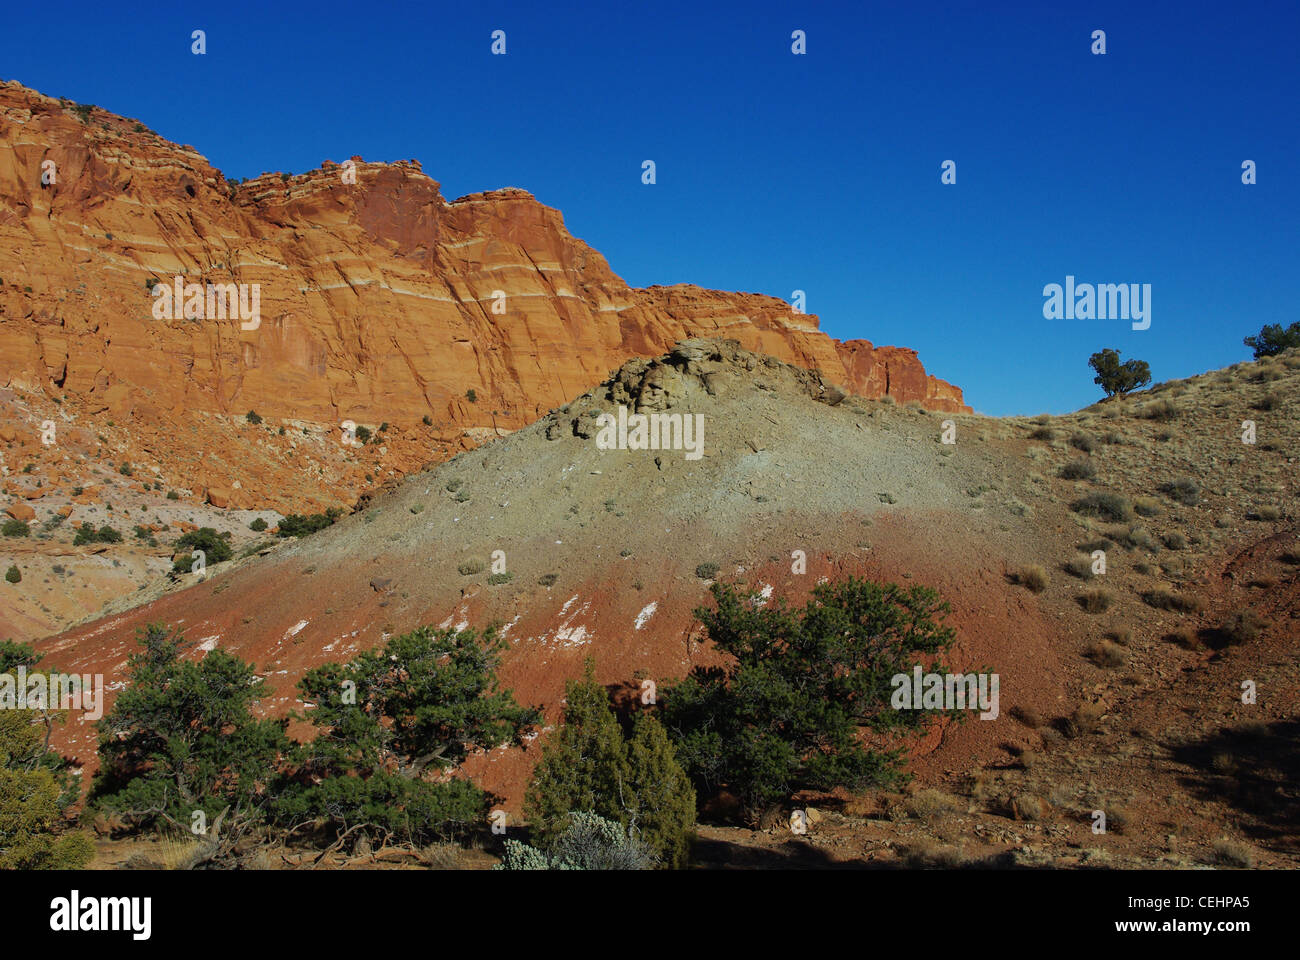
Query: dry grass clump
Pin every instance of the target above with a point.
(1106, 653)
(443, 856)
(1242, 626)
(930, 804)
(1028, 716)
(1184, 637)
(1174, 566)
(1095, 601)
(1043, 433)
(1146, 506)
(1268, 401)
(1159, 410)
(1175, 541)
(1081, 441)
(1080, 566)
(1107, 506)
(1033, 578)
(1078, 470)
(928, 855)
(1027, 806)
(1268, 513)
(1134, 538)
(1230, 853)
(1085, 719)
(1185, 490)
(1168, 600)
(1117, 818)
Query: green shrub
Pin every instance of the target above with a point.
(13, 575)
(214, 546)
(363, 434)
(258, 525)
(707, 571)
(589, 842)
(252, 417)
(87, 533)
(1078, 470)
(471, 396)
(497, 579)
(588, 766)
(15, 528)
(783, 714)
(413, 811)
(296, 525)
(470, 567)
(173, 495)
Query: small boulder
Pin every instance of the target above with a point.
(21, 511)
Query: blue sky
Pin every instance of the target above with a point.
(779, 172)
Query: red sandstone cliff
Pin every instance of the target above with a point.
(376, 301)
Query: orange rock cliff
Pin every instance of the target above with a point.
(380, 301)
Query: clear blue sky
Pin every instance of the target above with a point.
(779, 172)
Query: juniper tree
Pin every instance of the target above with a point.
(1116, 378)
(588, 766)
(786, 711)
(420, 704)
(181, 738)
(1272, 339)
(36, 785)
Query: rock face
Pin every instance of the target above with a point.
(380, 302)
